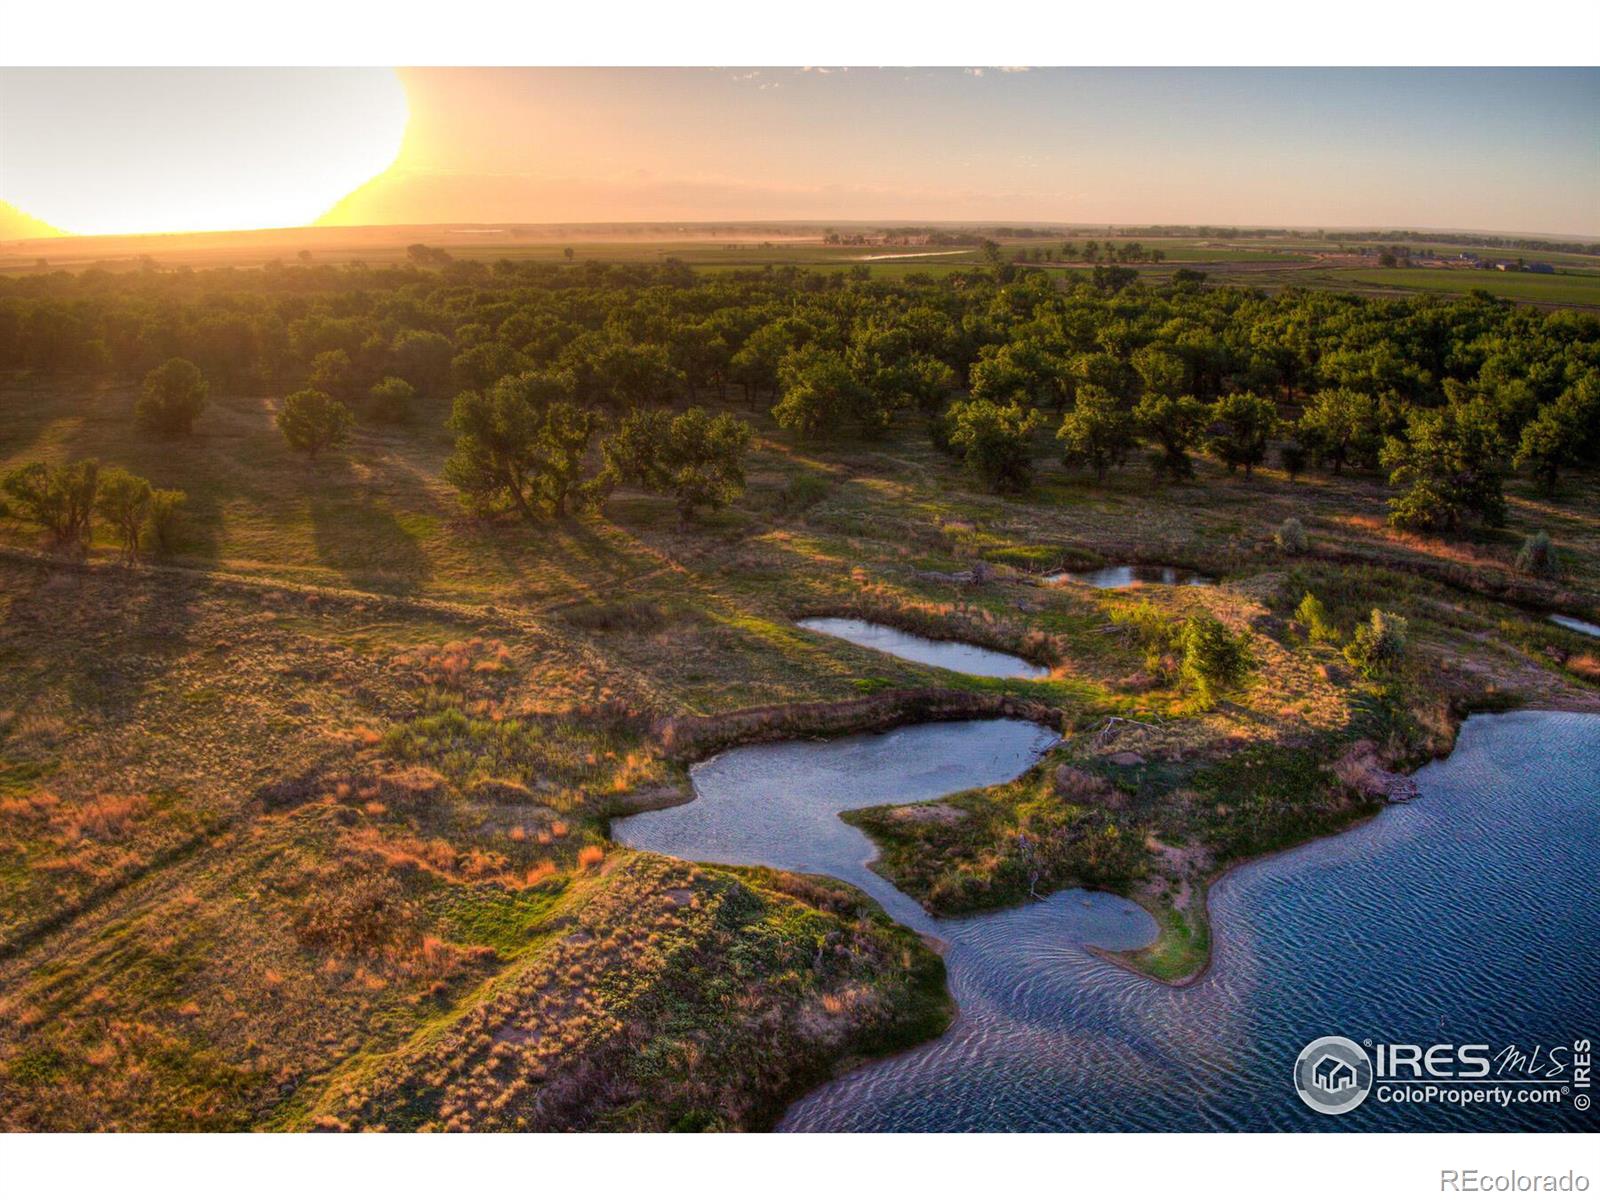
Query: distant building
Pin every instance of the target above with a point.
(1541, 268)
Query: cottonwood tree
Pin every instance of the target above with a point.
(173, 396)
(1340, 426)
(124, 501)
(312, 421)
(996, 442)
(59, 498)
(523, 445)
(1098, 432)
(1247, 423)
(1558, 437)
(821, 394)
(1174, 423)
(1451, 464)
(694, 457)
(391, 400)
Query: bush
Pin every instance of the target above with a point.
(391, 401)
(312, 421)
(59, 498)
(1538, 556)
(174, 395)
(1378, 645)
(1314, 616)
(165, 504)
(1214, 660)
(1291, 537)
(124, 503)
(804, 491)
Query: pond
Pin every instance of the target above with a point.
(1576, 625)
(953, 656)
(1130, 575)
(1468, 916)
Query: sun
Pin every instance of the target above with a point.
(159, 151)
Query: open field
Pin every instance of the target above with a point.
(1269, 262)
(1563, 288)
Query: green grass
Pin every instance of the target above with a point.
(1550, 289)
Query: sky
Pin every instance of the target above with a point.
(1490, 149)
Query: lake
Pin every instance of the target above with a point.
(1466, 916)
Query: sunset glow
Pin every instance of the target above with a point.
(163, 151)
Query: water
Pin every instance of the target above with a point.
(1131, 576)
(777, 805)
(1576, 625)
(954, 656)
(1467, 916)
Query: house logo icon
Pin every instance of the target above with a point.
(1333, 1075)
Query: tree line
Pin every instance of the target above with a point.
(1443, 396)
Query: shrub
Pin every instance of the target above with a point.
(124, 501)
(804, 491)
(1538, 556)
(1291, 537)
(391, 401)
(165, 504)
(312, 421)
(174, 395)
(59, 498)
(1314, 616)
(1214, 660)
(1378, 645)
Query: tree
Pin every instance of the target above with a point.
(1214, 660)
(1098, 432)
(1378, 645)
(1174, 424)
(523, 445)
(1341, 426)
(1248, 422)
(996, 442)
(173, 396)
(1450, 464)
(695, 457)
(391, 400)
(820, 392)
(1558, 436)
(333, 374)
(313, 421)
(59, 498)
(1538, 556)
(165, 504)
(124, 501)
(422, 358)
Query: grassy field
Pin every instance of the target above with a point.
(1562, 288)
(306, 825)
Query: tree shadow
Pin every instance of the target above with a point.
(368, 544)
